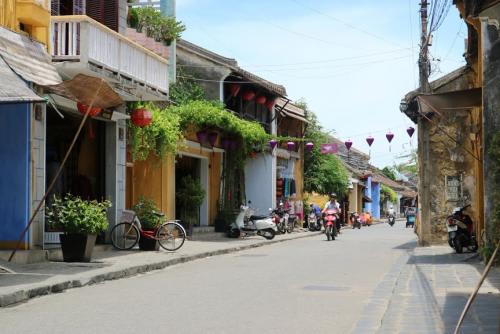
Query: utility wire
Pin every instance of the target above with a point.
(347, 24)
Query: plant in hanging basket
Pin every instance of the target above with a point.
(81, 221)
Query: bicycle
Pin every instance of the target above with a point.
(125, 235)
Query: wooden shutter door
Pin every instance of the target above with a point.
(104, 11)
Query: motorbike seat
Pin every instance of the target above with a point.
(258, 217)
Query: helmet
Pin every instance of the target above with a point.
(333, 195)
(456, 210)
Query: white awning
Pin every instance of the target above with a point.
(13, 88)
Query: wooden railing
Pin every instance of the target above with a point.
(80, 38)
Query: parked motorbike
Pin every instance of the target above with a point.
(391, 220)
(248, 224)
(313, 222)
(355, 220)
(280, 218)
(460, 231)
(330, 220)
(292, 220)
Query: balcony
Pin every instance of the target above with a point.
(80, 44)
(33, 12)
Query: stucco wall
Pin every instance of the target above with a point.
(14, 172)
(260, 182)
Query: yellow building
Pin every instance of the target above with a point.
(29, 16)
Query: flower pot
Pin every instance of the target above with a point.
(147, 244)
(77, 247)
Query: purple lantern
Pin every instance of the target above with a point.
(201, 136)
(309, 147)
(212, 138)
(348, 144)
(389, 136)
(410, 131)
(226, 143)
(273, 143)
(233, 145)
(290, 145)
(370, 140)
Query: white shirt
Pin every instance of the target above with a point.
(332, 205)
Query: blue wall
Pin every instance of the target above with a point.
(14, 170)
(376, 200)
(368, 193)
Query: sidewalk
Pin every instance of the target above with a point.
(426, 291)
(32, 280)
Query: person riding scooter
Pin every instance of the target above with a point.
(315, 221)
(332, 204)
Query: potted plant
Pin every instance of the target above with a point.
(145, 209)
(190, 195)
(170, 29)
(80, 221)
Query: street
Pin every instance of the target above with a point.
(302, 285)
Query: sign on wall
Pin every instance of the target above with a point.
(453, 188)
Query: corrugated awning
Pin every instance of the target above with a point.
(13, 88)
(28, 58)
(461, 99)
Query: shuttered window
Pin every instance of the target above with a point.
(104, 11)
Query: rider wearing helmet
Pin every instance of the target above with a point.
(332, 204)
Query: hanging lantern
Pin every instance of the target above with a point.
(290, 145)
(141, 117)
(273, 143)
(248, 95)
(83, 109)
(201, 136)
(389, 136)
(370, 140)
(234, 88)
(261, 99)
(212, 138)
(270, 104)
(348, 144)
(410, 131)
(226, 144)
(309, 147)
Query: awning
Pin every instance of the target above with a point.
(289, 109)
(461, 99)
(13, 88)
(27, 58)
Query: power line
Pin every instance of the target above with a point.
(347, 24)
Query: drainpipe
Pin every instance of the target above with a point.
(167, 8)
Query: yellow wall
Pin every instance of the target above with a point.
(33, 14)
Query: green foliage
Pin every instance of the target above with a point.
(410, 165)
(145, 210)
(161, 136)
(323, 173)
(190, 196)
(160, 27)
(387, 193)
(74, 215)
(389, 172)
(185, 89)
(205, 114)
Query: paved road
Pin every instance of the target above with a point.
(306, 285)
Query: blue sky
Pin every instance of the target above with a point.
(352, 61)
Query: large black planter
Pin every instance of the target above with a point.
(77, 247)
(147, 244)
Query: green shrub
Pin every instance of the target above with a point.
(145, 210)
(74, 215)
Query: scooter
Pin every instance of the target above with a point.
(248, 224)
(391, 220)
(460, 231)
(280, 218)
(355, 220)
(331, 224)
(313, 223)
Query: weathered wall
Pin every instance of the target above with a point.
(491, 119)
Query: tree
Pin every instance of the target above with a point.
(323, 173)
(389, 172)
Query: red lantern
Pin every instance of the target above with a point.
(248, 95)
(389, 136)
(370, 140)
(234, 89)
(261, 99)
(410, 131)
(270, 104)
(83, 109)
(348, 144)
(141, 117)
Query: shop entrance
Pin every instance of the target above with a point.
(84, 172)
(195, 169)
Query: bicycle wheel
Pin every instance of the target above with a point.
(171, 236)
(124, 236)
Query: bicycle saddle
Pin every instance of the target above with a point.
(159, 214)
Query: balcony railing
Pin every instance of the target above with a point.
(80, 38)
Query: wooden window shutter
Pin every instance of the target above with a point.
(104, 11)
(54, 7)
